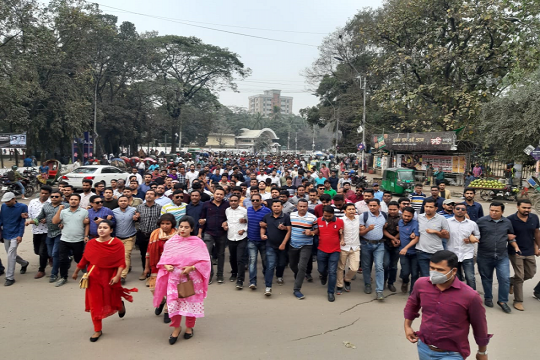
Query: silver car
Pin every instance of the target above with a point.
(96, 173)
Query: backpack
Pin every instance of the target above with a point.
(11, 175)
(366, 215)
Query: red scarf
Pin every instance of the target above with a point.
(109, 254)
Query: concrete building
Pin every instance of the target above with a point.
(264, 103)
(245, 140)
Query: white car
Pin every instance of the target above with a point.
(96, 173)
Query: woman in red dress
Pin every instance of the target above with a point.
(165, 231)
(105, 259)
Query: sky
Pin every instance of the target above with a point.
(274, 65)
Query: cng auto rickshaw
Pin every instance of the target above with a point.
(398, 180)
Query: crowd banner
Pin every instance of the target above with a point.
(11, 141)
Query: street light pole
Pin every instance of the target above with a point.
(364, 127)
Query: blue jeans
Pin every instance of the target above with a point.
(391, 258)
(409, 267)
(423, 262)
(467, 267)
(425, 353)
(486, 265)
(52, 250)
(275, 258)
(327, 266)
(253, 247)
(21, 186)
(370, 253)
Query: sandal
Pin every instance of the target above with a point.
(189, 336)
(159, 309)
(94, 339)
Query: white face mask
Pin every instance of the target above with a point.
(438, 278)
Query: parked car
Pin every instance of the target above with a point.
(95, 173)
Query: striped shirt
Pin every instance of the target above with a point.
(178, 211)
(299, 225)
(417, 200)
(254, 218)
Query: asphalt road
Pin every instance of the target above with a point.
(38, 320)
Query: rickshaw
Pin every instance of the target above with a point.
(398, 180)
(53, 174)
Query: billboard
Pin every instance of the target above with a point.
(449, 164)
(13, 141)
(428, 141)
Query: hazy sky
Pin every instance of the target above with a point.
(274, 65)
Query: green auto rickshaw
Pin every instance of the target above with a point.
(398, 180)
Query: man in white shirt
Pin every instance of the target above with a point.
(350, 249)
(191, 175)
(464, 234)
(135, 173)
(362, 205)
(236, 227)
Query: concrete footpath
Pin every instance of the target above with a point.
(39, 321)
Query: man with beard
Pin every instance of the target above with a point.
(108, 200)
(161, 199)
(474, 209)
(132, 201)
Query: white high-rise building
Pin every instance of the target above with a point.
(265, 103)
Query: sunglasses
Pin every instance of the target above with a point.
(55, 196)
(460, 209)
(98, 202)
(178, 197)
(255, 200)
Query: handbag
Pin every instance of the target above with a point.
(83, 283)
(186, 289)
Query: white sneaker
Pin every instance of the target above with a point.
(268, 291)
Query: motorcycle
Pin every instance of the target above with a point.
(358, 181)
(509, 193)
(9, 186)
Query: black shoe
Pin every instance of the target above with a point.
(189, 336)
(220, 279)
(392, 288)
(323, 279)
(367, 288)
(159, 309)
(166, 318)
(94, 339)
(309, 278)
(211, 280)
(172, 339)
(339, 291)
(505, 307)
(488, 303)
(23, 268)
(122, 313)
(123, 281)
(239, 284)
(9, 282)
(347, 286)
(233, 278)
(331, 297)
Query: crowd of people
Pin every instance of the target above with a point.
(276, 212)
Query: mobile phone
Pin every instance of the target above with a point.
(96, 218)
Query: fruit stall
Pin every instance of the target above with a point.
(493, 189)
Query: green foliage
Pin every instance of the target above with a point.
(510, 123)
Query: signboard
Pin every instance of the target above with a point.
(360, 147)
(82, 148)
(12, 140)
(436, 141)
(449, 164)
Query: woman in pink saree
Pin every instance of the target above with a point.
(183, 254)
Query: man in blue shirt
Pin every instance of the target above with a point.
(255, 215)
(408, 237)
(12, 222)
(377, 194)
(474, 209)
(97, 214)
(435, 196)
(194, 208)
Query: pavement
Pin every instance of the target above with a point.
(38, 320)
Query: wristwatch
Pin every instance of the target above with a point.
(482, 352)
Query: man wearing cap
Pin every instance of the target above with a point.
(377, 194)
(448, 208)
(12, 225)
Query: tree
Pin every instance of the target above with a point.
(510, 122)
(182, 66)
(261, 143)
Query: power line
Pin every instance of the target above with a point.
(232, 26)
(209, 28)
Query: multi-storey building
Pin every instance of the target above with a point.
(265, 103)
